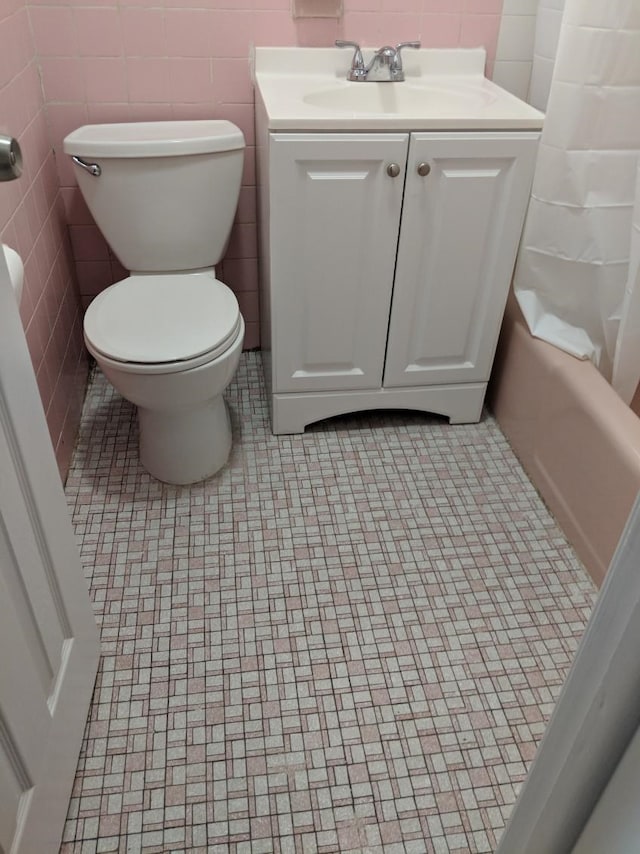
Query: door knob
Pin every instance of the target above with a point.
(393, 170)
(10, 158)
(423, 169)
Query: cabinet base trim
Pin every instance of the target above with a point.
(461, 404)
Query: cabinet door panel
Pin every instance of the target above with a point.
(335, 216)
(458, 240)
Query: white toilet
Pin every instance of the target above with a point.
(169, 336)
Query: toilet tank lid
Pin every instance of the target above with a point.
(154, 139)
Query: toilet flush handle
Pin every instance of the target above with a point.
(92, 168)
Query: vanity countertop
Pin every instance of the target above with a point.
(305, 89)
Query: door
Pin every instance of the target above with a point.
(614, 824)
(334, 214)
(591, 730)
(458, 240)
(48, 638)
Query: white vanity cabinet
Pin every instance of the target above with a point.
(459, 234)
(335, 213)
(385, 264)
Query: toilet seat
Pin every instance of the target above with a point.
(163, 323)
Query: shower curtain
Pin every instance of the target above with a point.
(578, 273)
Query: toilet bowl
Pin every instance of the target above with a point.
(169, 336)
(171, 345)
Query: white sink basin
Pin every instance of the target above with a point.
(400, 98)
(305, 89)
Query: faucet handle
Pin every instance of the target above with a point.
(357, 70)
(414, 45)
(398, 69)
(399, 47)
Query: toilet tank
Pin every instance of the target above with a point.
(167, 192)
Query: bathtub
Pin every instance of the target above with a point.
(578, 442)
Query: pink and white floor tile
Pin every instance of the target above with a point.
(348, 641)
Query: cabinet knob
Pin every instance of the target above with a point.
(393, 170)
(423, 169)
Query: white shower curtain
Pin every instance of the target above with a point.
(578, 274)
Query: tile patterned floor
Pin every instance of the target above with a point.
(349, 641)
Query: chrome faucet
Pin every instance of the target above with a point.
(384, 67)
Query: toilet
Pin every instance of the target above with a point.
(168, 337)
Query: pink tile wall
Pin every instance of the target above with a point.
(103, 60)
(33, 221)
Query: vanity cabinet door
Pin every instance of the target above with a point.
(334, 220)
(458, 240)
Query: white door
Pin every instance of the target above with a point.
(48, 639)
(614, 824)
(459, 235)
(334, 219)
(592, 727)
